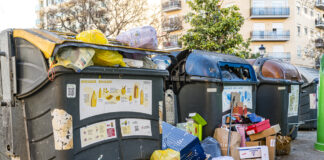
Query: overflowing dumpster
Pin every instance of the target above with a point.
(56, 113)
(308, 98)
(203, 82)
(278, 93)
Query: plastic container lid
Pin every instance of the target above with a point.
(275, 69)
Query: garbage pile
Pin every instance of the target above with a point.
(78, 58)
(242, 136)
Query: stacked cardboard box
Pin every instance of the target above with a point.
(265, 138)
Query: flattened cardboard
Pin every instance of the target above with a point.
(268, 132)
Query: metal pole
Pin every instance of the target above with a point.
(230, 126)
(319, 145)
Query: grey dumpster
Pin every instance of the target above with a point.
(308, 98)
(100, 113)
(203, 81)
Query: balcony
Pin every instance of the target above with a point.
(319, 23)
(319, 4)
(319, 43)
(268, 13)
(171, 5)
(270, 36)
(172, 45)
(285, 56)
(173, 25)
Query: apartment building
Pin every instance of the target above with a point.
(173, 23)
(291, 30)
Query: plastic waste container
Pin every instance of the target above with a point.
(308, 98)
(278, 93)
(203, 81)
(99, 113)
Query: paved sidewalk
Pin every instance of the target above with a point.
(303, 148)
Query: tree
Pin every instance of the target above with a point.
(109, 16)
(215, 28)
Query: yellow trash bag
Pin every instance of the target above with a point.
(167, 154)
(101, 57)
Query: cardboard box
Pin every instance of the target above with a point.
(259, 127)
(268, 132)
(259, 152)
(253, 143)
(271, 144)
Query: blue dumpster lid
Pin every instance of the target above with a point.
(219, 66)
(309, 74)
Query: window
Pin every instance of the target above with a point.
(312, 13)
(174, 39)
(256, 49)
(298, 10)
(259, 26)
(299, 51)
(305, 10)
(277, 27)
(298, 30)
(306, 31)
(312, 33)
(258, 4)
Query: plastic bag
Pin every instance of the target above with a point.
(211, 147)
(108, 58)
(102, 57)
(75, 58)
(283, 145)
(168, 154)
(92, 36)
(221, 135)
(142, 37)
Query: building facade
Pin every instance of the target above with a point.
(291, 30)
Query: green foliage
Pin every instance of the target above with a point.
(215, 28)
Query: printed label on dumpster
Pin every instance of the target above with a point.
(293, 101)
(245, 94)
(312, 101)
(98, 132)
(70, 90)
(135, 127)
(99, 96)
(211, 89)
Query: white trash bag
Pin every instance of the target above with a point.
(141, 37)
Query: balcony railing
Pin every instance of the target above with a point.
(319, 4)
(270, 35)
(285, 56)
(319, 43)
(172, 45)
(279, 12)
(174, 25)
(319, 23)
(171, 5)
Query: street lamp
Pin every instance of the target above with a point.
(262, 50)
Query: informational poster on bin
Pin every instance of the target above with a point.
(100, 96)
(135, 127)
(293, 101)
(312, 101)
(245, 96)
(98, 132)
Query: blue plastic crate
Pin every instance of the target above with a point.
(181, 141)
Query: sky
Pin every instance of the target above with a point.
(17, 14)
